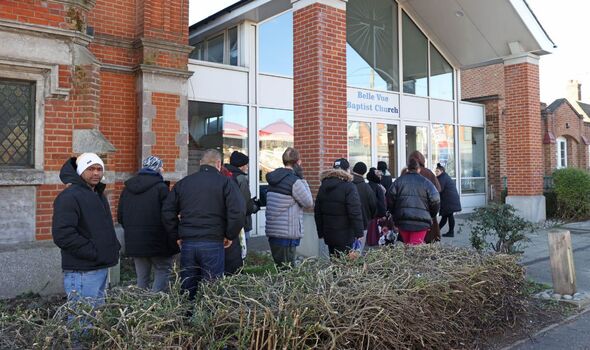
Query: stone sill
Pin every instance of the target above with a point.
(21, 177)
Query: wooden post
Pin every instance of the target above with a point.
(562, 262)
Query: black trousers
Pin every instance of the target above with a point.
(451, 219)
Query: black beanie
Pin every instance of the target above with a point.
(381, 165)
(360, 168)
(341, 163)
(238, 159)
(372, 176)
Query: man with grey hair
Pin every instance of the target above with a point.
(206, 211)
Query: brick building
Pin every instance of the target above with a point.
(103, 76)
(369, 80)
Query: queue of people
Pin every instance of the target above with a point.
(206, 216)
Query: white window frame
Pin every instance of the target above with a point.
(561, 162)
(226, 46)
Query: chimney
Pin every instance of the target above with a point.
(574, 90)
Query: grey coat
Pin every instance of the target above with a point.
(287, 197)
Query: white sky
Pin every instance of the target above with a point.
(564, 21)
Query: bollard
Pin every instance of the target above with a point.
(561, 256)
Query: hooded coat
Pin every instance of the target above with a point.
(242, 180)
(449, 197)
(414, 201)
(367, 197)
(139, 212)
(286, 198)
(82, 224)
(338, 215)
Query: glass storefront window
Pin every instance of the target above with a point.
(275, 134)
(441, 76)
(276, 45)
(417, 140)
(198, 52)
(371, 44)
(359, 143)
(415, 58)
(218, 126)
(472, 155)
(233, 46)
(443, 147)
(387, 146)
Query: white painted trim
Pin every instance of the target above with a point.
(338, 4)
(532, 25)
(519, 59)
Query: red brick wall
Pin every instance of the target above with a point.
(319, 51)
(482, 81)
(495, 143)
(46, 13)
(114, 18)
(523, 130)
(165, 126)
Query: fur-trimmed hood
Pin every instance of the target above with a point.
(337, 173)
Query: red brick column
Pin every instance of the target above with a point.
(319, 64)
(524, 147)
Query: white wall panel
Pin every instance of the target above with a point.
(471, 114)
(217, 84)
(413, 108)
(441, 111)
(470, 202)
(275, 92)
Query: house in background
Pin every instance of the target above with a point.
(566, 127)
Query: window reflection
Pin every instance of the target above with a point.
(217, 126)
(275, 134)
(276, 45)
(215, 49)
(359, 143)
(443, 147)
(387, 146)
(471, 148)
(233, 46)
(371, 50)
(417, 140)
(415, 58)
(441, 76)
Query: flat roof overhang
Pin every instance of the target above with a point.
(469, 32)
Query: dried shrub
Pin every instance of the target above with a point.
(404, 297)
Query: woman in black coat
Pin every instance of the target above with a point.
(449, 200)
(146, 239)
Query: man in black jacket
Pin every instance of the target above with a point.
(140, 214)
(366, 194)
(238, 166)
(338, 214)
(206, 211)
(83, 229)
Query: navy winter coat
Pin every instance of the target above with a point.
(82, 224)
(449, 197)
(338, 214)
(414, 201)
(140, 214)
(367, 197)
(210, 205)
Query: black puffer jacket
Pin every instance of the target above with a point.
(338, 214)
(210, 205)
(449, 197)
(82, 224)
(242, 180)
(368, 199)
(140, 214)
(413, 202)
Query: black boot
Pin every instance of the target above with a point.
(449, 234)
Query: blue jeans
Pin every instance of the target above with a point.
(200, 261)
(86, 285)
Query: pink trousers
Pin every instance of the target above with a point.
(413, 237)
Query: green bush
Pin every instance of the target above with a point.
(497, 227)
(572, 187)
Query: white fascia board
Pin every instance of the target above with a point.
(221, 20)
(532, 24)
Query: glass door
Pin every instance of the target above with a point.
(387, 146)
(416, 139)
(371, 141)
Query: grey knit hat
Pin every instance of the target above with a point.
(153, 162)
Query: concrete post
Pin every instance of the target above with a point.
(561, 256)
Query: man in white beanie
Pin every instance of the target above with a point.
(83, 229)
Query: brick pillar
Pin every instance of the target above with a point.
(523, 137)
(495, 143)
(162, 38)
(319, 64)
